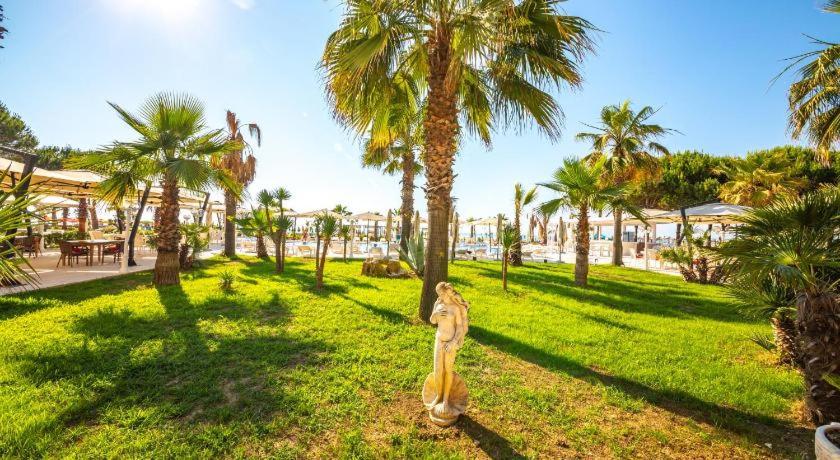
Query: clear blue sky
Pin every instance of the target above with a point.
(707, 64)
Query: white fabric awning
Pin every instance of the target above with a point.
(372, 216)
(711, 213)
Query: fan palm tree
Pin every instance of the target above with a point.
(794, 241)
(756, 181)
(773, 300)
(127, 175)
(521, 198)
(581, 188)
(625, 139)
(344, 233)
(242, 166)
(815, 98)
(257, 224)
(265, 200)
(327, 229)
(180, 152)
(473, 63)
(507, 239)
(395, 146)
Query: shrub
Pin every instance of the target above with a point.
(226, 279)
(414, 254)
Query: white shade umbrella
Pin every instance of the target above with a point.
(52, 201)
(710, 213)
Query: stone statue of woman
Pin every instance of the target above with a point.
(444, 393)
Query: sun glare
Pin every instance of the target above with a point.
(169, 10)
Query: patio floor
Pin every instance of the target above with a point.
(48, 275)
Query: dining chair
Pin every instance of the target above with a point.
(115, 250)
(69, 252)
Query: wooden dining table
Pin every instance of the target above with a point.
(96, 245)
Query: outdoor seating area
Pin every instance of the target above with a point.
(425, 229)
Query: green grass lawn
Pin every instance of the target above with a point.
(638, 365)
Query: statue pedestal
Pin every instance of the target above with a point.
(445, 413)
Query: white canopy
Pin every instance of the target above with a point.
(711, 213)
(71, 183)
(651, 215)
(485, 221)
(314, 213)
(372, 216)
(51, 201)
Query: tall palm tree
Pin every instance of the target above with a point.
(242, 166)
(128, 174)
(395, 144)
(815, 98)
(521, 198)
(82, 214)
(181, 152)
(757, 181)
(581, 188)
(399, 155)
(794, 241)
(625, 139)
(475, 63)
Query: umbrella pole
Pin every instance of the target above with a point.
(647, 258)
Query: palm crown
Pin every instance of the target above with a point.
(757, 181)
(815, 98)
(174, 142)
(626, 140)
(498, 53)
(579, 184)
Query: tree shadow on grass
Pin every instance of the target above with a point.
(390, 316)
(623, 296)
(182, 365)
(673, 401)
(493, 444)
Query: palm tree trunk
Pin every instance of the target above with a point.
(504, 270)
(278, 251)
(135, 226)
(618, 248)
(318, 248)
(204, 205)
(454, 237)
(119, 213)
(784, 335)
(282, 251)
(94, 217)
(169, 236)
(407, 195)
(65, 214)
(319, 278)
(516, 248)
(82, 215)
(157, 219)
(262, 251)
(230, 228)
(818, 325)
(441, 131)
(582, 247)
